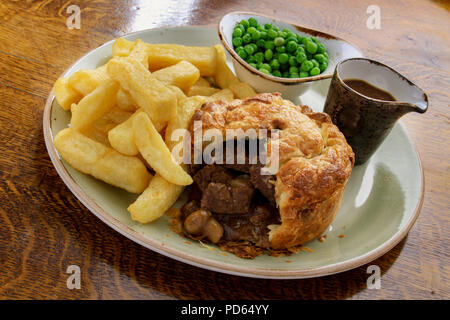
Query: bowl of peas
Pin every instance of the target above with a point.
(277, 56)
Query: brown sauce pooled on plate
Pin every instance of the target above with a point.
(368, 90)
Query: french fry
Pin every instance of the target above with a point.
(201, 91)
(139, 52)
(180, 94)
(185, 111)
(94, 105)
(124, 101)
(165, 55)
(225, 94)
(106, 164)
(65, 94)
(121, 137)
(152, 147)
(122, 47)
(242, 90)
(150, 94)
(202, 82)
(159, 196)
(85, 81)
(223, 77)
(182, 75)
(118, 116)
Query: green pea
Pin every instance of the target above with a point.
(259, 27)
(305, 40)
(242, 54)
(256, 35)
(245, 24)
(294, 75)
(314, 40)
(300, 48)
(314, 71)
(274, 64)
(291, 46)
(321, 48)
(292, 38)
(239, 48)
(319, 57)
(304, 74)
(285, 74)
(323, 66)
(240, 26)
(272, 34)
(237, 42)
(315, 63)
(299, 38)
(282, 34)
(246, 38)
(266, 66)
(325, 54)
(276, 73)
(251, 59)
(268, 26)
(251, 30)
(293, 70)
(292, 61)
(269, 45)
(260, 43)
(264, 70)
(281, 49)
(268, 54)
(264, 35)
(253, 22)
(308, 55)
(311, 47)
(306, 65)
(258, 65)
(259, 56)
(255, 47)
(301, 56)
(249, 49)
(275, 28)
(253, 64)
(283, 58)
(237, 33)
(278, 41)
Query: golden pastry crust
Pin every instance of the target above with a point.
(315, 160)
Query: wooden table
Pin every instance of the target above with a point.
(44, 228)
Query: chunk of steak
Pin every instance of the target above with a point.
(226, 199)
(212, 173)
(264, 183)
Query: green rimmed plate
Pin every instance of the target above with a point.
(381, 202)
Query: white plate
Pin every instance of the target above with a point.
(380, 204)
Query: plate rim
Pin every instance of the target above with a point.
(206, 263)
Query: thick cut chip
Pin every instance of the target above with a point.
(121, 137)
(122, 47)
(183, 75)
(95, 105)
(242, 90)
(152, 147)
(139, 53)
(85, 81)
(225, 94)
(185, 112)
(201, 91)
(202, 82)
(106, 164)
(159, 196)
(149, 93)
(124, 101)
(165, 55)
(65, 94)
(223, 76)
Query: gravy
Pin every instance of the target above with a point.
(368, 90)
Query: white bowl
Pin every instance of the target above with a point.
(290, 88)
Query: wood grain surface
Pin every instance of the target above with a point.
(44, 228)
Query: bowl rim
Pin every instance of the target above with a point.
(285, 81)
(201, 262)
